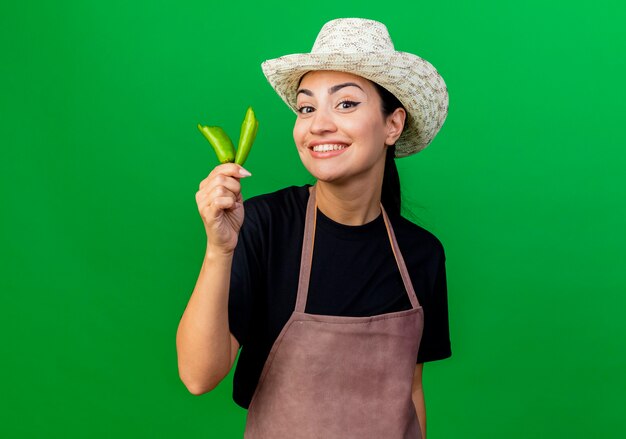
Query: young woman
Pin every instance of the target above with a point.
(334, 298)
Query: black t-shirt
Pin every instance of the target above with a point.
(353, 273)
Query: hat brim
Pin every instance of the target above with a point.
(413, 80)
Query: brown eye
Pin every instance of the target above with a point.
(305, 109)
(345, 105)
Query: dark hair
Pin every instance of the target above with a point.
(390, 196)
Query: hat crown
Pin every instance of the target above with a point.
(353, 35)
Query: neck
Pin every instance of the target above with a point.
(352, 204)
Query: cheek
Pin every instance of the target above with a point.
(298, 132)
(365, 123)
(368, 130)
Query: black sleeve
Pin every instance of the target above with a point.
(245, 275)
(435, 343)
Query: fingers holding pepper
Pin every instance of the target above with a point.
(220, 205)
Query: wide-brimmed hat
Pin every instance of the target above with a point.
(364, 48)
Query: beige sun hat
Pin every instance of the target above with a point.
(363, 47)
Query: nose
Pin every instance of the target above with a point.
(322, 122)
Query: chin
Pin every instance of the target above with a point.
(324, 174)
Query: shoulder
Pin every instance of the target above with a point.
(414, 239)
(287, 204)
(292, 195)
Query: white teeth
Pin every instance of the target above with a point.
(328, 147)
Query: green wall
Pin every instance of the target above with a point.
(101, 241)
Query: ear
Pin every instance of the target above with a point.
(395, 125)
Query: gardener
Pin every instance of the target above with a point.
(335, 299)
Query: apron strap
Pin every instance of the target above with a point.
(306, 259)
(404, 272)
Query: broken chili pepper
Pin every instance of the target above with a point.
(223, 146)
(221, 143)
(249, 129)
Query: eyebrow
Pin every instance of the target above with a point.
(338, 87)
(333, 89)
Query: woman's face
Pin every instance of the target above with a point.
(340, 131)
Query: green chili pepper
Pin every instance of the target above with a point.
(249, 127)
(221, 143)
(223, 146)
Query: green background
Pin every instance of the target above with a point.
(101, 240)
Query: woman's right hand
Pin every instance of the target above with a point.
(221, 206)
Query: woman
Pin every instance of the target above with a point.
(334, 298)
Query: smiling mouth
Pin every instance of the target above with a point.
(329, 147)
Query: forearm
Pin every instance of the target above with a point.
(203, 338)
(420, 408)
